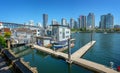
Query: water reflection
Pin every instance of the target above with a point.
(41, 54)
(69, 68)
(23, 53)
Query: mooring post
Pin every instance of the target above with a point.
(91, 36)
(69, 51)
(53, 47)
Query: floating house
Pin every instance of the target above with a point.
(60, 35)
(58, 38)
(43, 41)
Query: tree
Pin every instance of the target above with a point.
(7, 34)
(2, 41)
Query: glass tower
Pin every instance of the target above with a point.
(45, 20)
(90, 21)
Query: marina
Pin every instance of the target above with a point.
(77, 60)
(70, 56)
(77, 56)
(60, 44)
(59, 36)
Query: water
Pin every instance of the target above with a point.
(105, 50)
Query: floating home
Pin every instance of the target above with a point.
(59, 37)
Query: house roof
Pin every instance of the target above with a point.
(5, 30)
(23, 30)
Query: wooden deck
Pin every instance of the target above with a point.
(76, 58)
(80, 52)
(93, 66)
(50, 51)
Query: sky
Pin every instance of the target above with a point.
(21, 11)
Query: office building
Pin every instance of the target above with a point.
(82, 21)
(45, 20)
(90, 21)
(63, 21)
(79, 22)
(76, 25)
(72, 23)
(107, 21)
(54, 22)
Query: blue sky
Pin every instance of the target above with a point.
(20, 11)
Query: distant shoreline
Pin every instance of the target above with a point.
(90, 32)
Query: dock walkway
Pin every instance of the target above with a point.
(50, 51)
(76, 58)
(99, 68)
(80, 52)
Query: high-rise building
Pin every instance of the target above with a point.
(45, 20)
(63, 21)
(79, 22)
(83, 21)
(107, 21)
(90, 21)
(72, 23)
(75, 25)
(103, 22)
(54, 22)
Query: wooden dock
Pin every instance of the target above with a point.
(80, 52)
(51, 52)
(76, 58)
(99, 68)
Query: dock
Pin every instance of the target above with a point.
(99, 68)
(17, 44)
(65, 48)
(76, 58)
(80, 52)
(51, 52)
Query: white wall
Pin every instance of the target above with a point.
(46, 42)
(63, 31)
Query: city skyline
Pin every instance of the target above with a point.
(20, 11)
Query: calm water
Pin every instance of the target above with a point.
(106, 49)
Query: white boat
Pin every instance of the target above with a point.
(105, 32)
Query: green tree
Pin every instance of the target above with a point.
(7, 34)
(2, 41)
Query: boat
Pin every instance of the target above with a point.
(118, 68)
(105, 32)
(59, 46)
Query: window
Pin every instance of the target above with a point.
(60, 32)
(38, 30)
